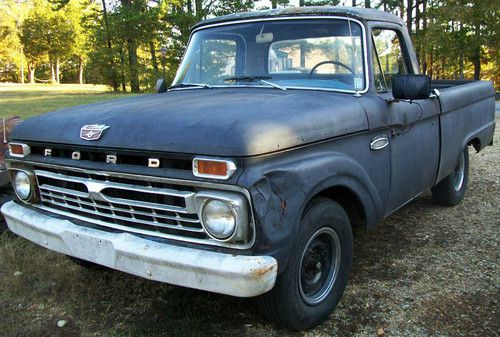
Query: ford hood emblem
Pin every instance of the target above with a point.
(93, 131)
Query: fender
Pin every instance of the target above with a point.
(281, 188)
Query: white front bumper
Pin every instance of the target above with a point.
(236, 275)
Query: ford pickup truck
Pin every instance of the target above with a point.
(282, 130)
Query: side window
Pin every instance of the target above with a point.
(388, 58)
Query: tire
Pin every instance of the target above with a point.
(86, 264)
(310, 287)
(451, 190)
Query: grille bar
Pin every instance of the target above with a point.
(107, 201)
(131, 210)
(118, 217)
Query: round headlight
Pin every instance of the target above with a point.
(218, 219)
(22, 185)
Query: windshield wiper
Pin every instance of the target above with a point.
(190, 85)
(247, 78)
(261, 79)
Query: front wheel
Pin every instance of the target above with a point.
(317, 271)
(451, 190)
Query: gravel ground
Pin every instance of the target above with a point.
(425, 271)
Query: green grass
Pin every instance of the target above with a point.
(425, 271)
(30, 100)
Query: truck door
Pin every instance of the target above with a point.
(414, 126)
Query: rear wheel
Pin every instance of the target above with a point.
(317, 271)
(451, 190)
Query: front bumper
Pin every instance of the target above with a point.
(236, 275)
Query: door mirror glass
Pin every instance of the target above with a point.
(411, 87)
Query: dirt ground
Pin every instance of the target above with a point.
(425, 271)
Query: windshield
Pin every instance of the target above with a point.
(299, 53)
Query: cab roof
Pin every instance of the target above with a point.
(364, 14)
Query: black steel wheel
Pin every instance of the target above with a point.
(319, 266)
(310, 286)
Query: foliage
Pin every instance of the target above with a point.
(121, 44)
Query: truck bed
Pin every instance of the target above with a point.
(467, 117)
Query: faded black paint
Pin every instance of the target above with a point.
(291, 145)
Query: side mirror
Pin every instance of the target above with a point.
(411, 87)
(161, 86)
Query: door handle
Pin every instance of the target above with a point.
(379, 142)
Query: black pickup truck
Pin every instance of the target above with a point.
(282, 130)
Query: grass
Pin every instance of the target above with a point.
(29, 100)
(425, 271)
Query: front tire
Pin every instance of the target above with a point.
(451, 190)
(317, 271)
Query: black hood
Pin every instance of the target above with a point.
(217, 122)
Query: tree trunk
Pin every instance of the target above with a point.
(424, 31)
(154, 60)
(132, 61)
(402, 9)
(80, 69)
(476, 54)
(132, 52)
(431, 65)
(52, 73)
(122, 77)
(31, 70)
(460, 57)
(353, 4)
(198, 7)
(22, 65)
(476, 61)
(367, 4)
(114, 81)
(443, 64)
(58, 73)
(409, 15)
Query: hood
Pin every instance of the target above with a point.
(216, 122)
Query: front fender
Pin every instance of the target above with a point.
(281, 187)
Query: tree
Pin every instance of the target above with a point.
(60, 40)
(12, 59)
(34, 44)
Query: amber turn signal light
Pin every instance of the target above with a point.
(19, 150)
(213, 168)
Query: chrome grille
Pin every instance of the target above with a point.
(143, 207)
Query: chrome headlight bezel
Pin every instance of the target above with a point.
(29, 179)
(239, 208)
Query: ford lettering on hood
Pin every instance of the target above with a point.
(218, 122)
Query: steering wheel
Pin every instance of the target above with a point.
(311, 73)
